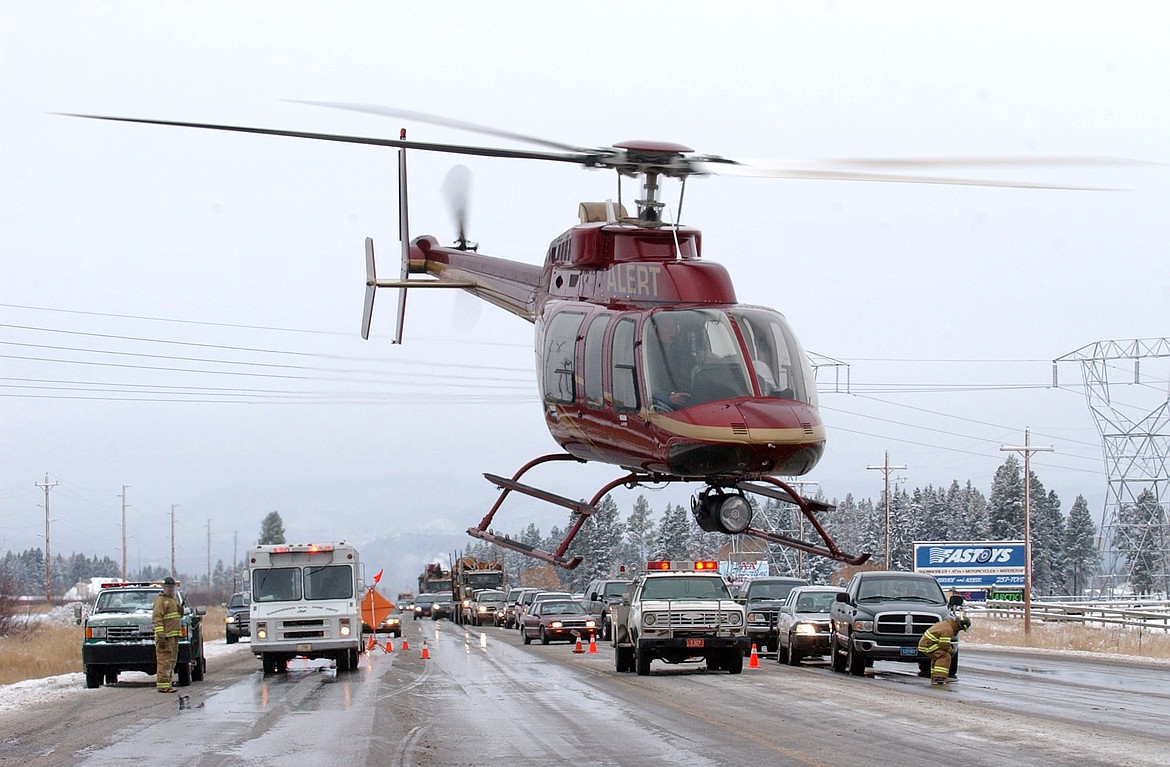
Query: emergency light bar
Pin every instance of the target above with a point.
(138, 584)
(310, 548)
(699, 564)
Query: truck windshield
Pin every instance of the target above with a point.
(125, 601)
(329, 582)
(484, 580)
(905, 589)
(276, 584)
(685, 588)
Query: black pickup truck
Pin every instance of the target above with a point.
(882, 615)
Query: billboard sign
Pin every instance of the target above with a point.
(967, 565)
(742, 570)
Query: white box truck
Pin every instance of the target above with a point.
(305, 603)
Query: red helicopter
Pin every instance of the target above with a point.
(645, 358)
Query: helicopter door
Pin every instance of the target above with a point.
(593, 364)
(558, 380)
(623, 375)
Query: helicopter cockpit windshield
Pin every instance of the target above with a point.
(694, 356)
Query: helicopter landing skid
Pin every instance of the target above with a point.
(774, 489)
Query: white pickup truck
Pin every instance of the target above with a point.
(676, 612)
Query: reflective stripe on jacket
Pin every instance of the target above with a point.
(938, 637)
(167, 616)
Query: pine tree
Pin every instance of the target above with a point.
(674, 535)
(271, 530)
(1081, 557)
(639, 535)
(1047, 541)
(1007, 501)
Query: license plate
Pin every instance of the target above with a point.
(694, 643)
(304, 647)
(908, 651)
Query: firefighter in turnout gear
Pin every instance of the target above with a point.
(937, 644)
(166, 617)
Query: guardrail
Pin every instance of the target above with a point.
(1132, 613)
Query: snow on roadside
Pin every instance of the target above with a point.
(49, 689)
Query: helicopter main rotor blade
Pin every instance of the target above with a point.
(808, 172)
(408, 114)
(521, 154)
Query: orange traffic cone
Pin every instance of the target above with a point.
(389, 646)
(370, 645)
(425, 655)
(593, 644)
(405, 644)
(754, 661)
(578, 649)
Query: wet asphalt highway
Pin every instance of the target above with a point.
(484, 697)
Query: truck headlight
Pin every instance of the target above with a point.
(590, 624)
(261, 631)
(556, 624)
(806, 628)
(96, 632)
(731, 619)
(344, 627)
(649, 619)
(757, 618)
(863, 625)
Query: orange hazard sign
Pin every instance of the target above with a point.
(375, 608)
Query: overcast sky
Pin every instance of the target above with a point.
(179, 310)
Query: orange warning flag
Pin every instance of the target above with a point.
(375, 608)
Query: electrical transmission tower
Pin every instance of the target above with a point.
(1130, 403)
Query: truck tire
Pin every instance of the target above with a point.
(112, 677)
(183, 672)
(230, 638)
(642, 664)
(343, 661)
(94, 677)
(269, 662)
(835, 656)
(734, 662)
(782, 651)
(606, 628)
(199, 669)
(623, 658)
(924, 668)
(856, 661)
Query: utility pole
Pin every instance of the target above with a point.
(123, 532)
(235, 559)
(48, 556)
(209, 559)
(885, 469)
(174, 572)
(1027, 450)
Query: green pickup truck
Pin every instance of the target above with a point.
(119, 635)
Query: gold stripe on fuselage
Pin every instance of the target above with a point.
(795, 435)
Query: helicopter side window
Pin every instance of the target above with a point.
(593, 365)
(560, 346)
(623, 375)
